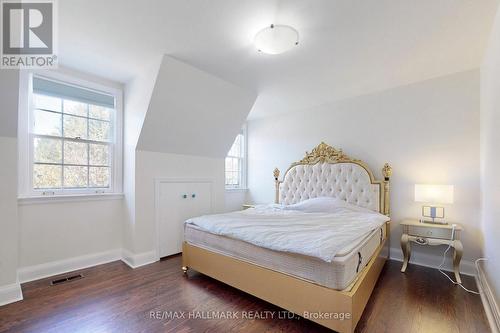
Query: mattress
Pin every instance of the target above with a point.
(338, 274)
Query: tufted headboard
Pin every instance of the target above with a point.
(327, 171)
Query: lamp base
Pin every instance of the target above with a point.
(433, 213)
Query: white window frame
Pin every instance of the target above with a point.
(25, 136)
(244, 164)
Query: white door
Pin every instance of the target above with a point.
(178, 202)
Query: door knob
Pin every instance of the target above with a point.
(193, 195)
(185, 196)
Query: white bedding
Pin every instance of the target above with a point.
(319, 235)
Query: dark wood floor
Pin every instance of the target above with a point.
(115, 298)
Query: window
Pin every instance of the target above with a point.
(236, 163)
(74, 143)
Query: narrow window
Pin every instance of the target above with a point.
(236, 163)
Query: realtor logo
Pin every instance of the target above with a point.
(28, 30)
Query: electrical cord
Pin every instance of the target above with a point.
(444, 259)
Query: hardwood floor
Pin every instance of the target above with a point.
(115, 298)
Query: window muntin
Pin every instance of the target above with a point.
(72, 141)
(235, 164)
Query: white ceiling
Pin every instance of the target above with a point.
(347, 47)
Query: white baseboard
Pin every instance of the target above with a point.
(35, 272)
(467, 267)
(13, 293)
(139, 259)
(489, 302)
(10, 293)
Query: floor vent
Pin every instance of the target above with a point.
(66, 279)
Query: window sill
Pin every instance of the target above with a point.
(230, 190)
(32, 200)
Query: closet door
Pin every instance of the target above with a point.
(177, 202)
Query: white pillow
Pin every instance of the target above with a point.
(325, 205)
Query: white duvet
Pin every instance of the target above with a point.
(320, 235)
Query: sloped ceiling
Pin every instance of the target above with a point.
(193, 112)
(347, 47)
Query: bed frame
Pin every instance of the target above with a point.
(339, 310)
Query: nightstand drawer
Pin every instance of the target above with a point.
(426, 232)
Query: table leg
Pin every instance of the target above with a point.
(457, 256)
(406, 247)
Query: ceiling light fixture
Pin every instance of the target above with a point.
(276, 39)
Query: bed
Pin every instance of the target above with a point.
(327, 282)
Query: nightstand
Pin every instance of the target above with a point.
(246, 206)
(431, 234)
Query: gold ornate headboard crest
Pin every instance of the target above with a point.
(323, 153)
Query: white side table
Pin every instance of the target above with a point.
(431, 234)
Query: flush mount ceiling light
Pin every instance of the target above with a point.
(276, 39)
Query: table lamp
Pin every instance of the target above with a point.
(433, 196)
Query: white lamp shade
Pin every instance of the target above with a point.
(276, 39)
(434, 194)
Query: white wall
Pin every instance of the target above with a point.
(136, 101)
(234, 200)
(9, 92)
(428, 132)
(153, 165)
(9, 88)
(8, 208)
(61, 230)
(490, 156)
